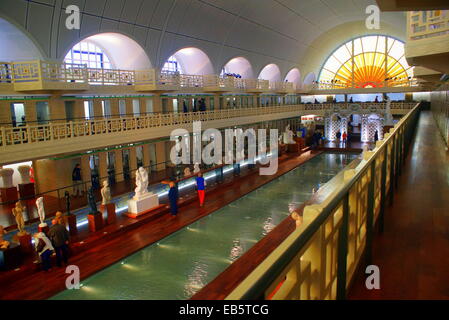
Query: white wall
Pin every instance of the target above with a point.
(16, 45)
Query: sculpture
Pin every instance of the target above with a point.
(105, 193)
(388, 117)
(288, 136)
(91, 201)
(24, 174)
(141, 182)
(67, 202)
(196, 168)
(3, 243)
(17, 211)
(6, 175)
(41, 211)
(187, 172)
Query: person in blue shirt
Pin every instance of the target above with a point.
(173, 197)
(200, 184)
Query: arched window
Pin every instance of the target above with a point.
(86, 52)
(369, 61)
(172, 65)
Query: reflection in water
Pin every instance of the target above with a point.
(181, 264)
(196, 279)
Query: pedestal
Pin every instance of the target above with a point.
(43, 227)
(26, 190)
(9, 194)
(11, 257)
(25, 243)
(70, 221)
(110, 210)
(292, 148)
(95, 221)
(137, 207)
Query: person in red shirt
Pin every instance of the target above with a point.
(344, 137)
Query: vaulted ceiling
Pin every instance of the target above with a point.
(290, 33)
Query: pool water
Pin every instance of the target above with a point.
(181, 264)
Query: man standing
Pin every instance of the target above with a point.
(172, 197)
(76, 178)
(200, 184)
(59, 237)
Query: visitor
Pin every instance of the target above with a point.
(344, 137)
(59, 237)
(76, 178)
(376, 136)
(338, 135)
(44, 250)
(173, 197)
(200, 185)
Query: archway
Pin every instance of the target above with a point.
(109, 51)
(294, 76)
(16, 44)
(191, 61)
(270, 72)
(239, 66)
(309, 79)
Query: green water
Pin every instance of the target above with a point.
(181, 264)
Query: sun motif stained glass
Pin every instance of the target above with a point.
(370, 61)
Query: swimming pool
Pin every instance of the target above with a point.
(181, 264)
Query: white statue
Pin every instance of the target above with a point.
(41, 211)
(388, 116)
(6, 175)
(288, 136)
(24, 174)
(141, 182)
(106, 193)
(196, 168)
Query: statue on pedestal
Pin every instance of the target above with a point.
(288, 136)
(141, 183)
(24, 174)
(41, 211)
(105, 193)
(91, 201)
(67, 202)
(3, 243)
(17, 211)
(196, 168)
(6, 175)
(388, 116)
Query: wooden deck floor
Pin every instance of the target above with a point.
(33, 284)
(413, 251)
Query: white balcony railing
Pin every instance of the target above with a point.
(55, 131)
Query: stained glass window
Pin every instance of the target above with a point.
(370, 61)
(86, 52)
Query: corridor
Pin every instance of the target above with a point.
(413, 251)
